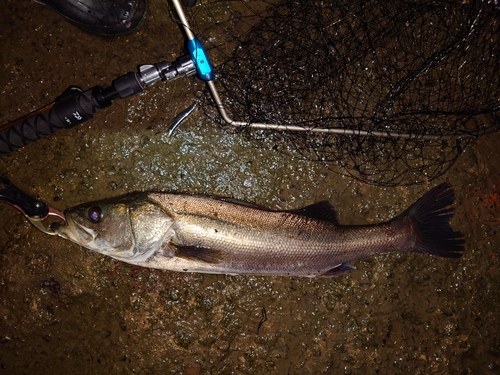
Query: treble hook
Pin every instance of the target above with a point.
(33, 209)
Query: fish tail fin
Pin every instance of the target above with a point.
(431, 215)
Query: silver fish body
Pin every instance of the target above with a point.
(193, 233)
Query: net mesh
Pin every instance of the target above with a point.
(405, 69)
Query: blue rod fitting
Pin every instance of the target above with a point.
(200, 59)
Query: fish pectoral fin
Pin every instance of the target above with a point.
(338, 270)
(200, 253)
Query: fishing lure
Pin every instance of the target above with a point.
(180, 118)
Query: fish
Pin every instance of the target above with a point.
(196, 233)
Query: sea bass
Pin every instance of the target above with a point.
(193, 233)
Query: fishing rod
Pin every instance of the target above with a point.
(75, 106)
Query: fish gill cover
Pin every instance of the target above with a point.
(425, 74)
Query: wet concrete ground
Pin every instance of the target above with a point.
(65, 309)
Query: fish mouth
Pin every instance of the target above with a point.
(89, 238)
(74, 231)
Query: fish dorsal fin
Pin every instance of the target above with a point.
(320, 211)
(200, 253)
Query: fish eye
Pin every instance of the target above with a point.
(95, 214)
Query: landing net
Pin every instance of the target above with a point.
(426, 74)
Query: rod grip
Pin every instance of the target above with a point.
(70, 109)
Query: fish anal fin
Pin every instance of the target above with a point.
(199, 253)
(320, 211)
(339, 270)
